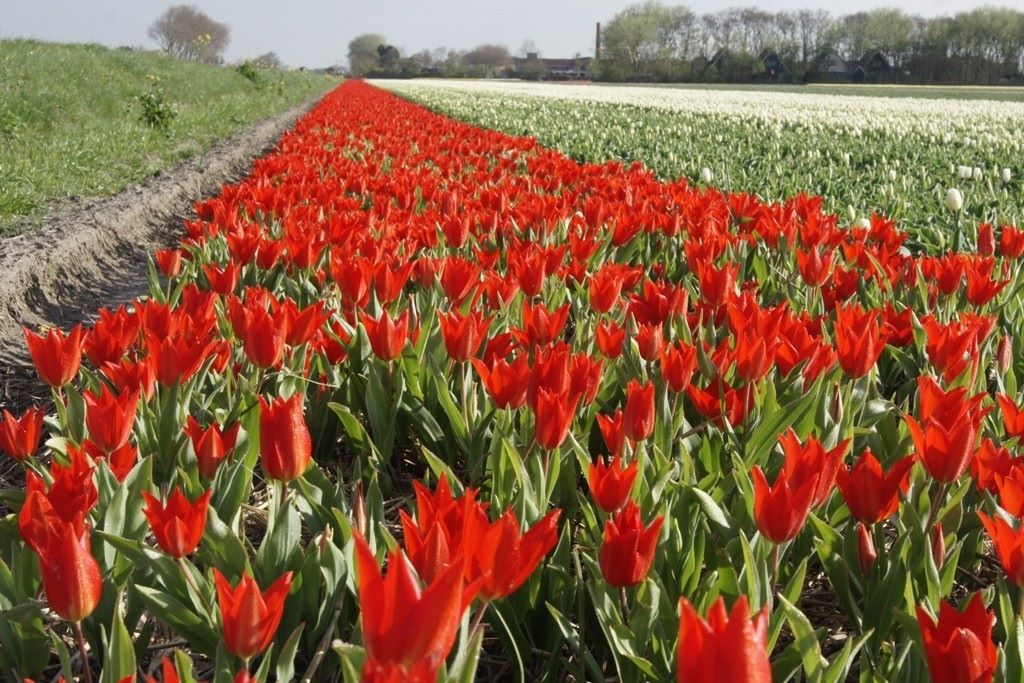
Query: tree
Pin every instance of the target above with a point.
(185, 32)
(362, 53)
(487, 59)
(388, 58)
(268, 60)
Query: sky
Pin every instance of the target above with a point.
(315, 33)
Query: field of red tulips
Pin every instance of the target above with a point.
(418, 401)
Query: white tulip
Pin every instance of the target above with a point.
(1007, 175)
(706, 176)
(954, 199)
(976, 174)
(892, 176)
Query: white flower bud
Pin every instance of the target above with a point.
(706, 176)
(1007, 175)
(892, 176)
(976, 174)
(954, 199)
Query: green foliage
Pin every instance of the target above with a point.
(70, 121)
(155, 110)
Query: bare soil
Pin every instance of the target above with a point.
(94, 252)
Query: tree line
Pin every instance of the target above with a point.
(654, 41)
(658, 42)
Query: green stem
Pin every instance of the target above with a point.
(86, 666)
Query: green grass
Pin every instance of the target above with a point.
(954, 92)
(70, 118)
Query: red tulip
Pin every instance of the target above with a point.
(810, 461)
(1009, 543)
(463, 334)
(110, 418)
(1011, 242)
(169, 261)
(111, 336)
(610, 484)
(262, 332)
(959, 647)
(249, 617)
(387, 336)
(612, 431)
(120, 462)
(717, 285)
(57, 357)
(866, 553)
(406, 628)
(285, 444)
(211, 445)
(554, 415)
(628, 548)
(504, 557)
(650, 339)
(638, 415)
(945, 450)
(178, 525)
(69, 498)
(814, 268)
(859, 339)
(678, 363)
(19, 437)
(1013, 417)
(71, 576)
(871, 495)
(1011, 491)
(727, 648)
(986, 240)
(302, 324)
(781, 510)
(507, 383)
(605, 288)
(609, 337)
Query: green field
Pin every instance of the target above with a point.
(70, 118)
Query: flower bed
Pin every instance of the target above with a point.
(421, 400)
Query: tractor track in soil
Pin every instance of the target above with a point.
(91, 253)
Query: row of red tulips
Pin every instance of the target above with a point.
(622, 408)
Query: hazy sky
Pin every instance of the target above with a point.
(316, 32)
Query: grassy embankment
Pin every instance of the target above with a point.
(71, 118)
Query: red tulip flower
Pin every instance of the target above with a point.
(628, 548)
(110, 418)
(810, 461)
(19, 437)
(1013, 417)
(505, 557)
(781, 510)
(612, 431)
(211, 445)
(507, 383)
(678, 363)
(178, 525)
(610, 484)
(463, 334)
(638, 415)
(387, 336)
(554, 416)
(1010, 488)
(262, 332)
(71, 575)
(959, 647)
(1009, 543)
(871, 494)
(859, 339)
(814, 268)
(169, 261)
(285, 444)
(68, 499)
(406, 629)
(727, 648)
(250, 617)
(944, 449)
(57, 357)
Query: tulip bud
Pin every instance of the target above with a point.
(976, 173)
(954, 200)
(866, 552)
(986, 240)
(938, 545)
(837, 406)
(1004, 355)
(892, 175)
(1007, 175)
(706, 176)
(863, 222)
(851, 212)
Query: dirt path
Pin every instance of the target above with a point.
(94, 253)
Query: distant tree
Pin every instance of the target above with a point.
(268, 60)
(185, 32)
(362, 53)
(488, 59)
(388, 58)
